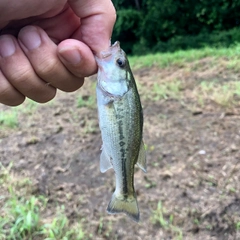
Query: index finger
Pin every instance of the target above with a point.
(97, 20)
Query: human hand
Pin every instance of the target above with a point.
(50, 44)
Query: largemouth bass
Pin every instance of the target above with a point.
(121, 124)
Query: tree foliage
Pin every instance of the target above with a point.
(149, 24)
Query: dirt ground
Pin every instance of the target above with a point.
(191, 189)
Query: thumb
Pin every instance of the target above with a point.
(97, 20)
(77, 58)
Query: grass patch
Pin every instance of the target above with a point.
(9, 118)
(28, 107)
(212, 71)
(233, 64)
(166, 90)
(159, 218)
(23, 215)
(178, 58)
(223, 94)
(86, 101)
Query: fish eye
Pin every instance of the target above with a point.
(120, 62)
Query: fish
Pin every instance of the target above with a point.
(121, 123)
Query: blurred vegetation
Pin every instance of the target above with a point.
(145, 26)
(25, 216)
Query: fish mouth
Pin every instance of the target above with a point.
(107, 56)
(112, 50)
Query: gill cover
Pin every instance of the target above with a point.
(113, 73)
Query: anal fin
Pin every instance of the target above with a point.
(141, 162)
(105, 161)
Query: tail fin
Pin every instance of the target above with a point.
(126, 205)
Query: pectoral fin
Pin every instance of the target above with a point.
(105, 161)
(141, 162)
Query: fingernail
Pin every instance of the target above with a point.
(30, 37)
(72, 56)
(7, 46)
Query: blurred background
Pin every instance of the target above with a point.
(145, 26)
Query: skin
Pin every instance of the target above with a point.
(50, 44)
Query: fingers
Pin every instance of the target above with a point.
(42, 54)
(77, 57)
(18, 78)
(34, 66)
(97, 21)
(8, 94)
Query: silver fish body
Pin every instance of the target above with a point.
(121, 124)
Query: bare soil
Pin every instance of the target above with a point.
(193, 160)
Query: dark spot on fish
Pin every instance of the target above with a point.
(120, 129)
(119, 109)
(120, 116)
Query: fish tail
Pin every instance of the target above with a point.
(127, 205)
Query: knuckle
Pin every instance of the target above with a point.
(4, 91)
(20, 75)
(48, 68)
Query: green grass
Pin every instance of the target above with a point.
(219, 63)
(89, 101)
(237, 226)
(9, 118)
(159, 218)
(233, 64)
(28, 107)
(23, 215)
(222, 93)
(180, 57)
(166, 90)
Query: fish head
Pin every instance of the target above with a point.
(114, 74)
